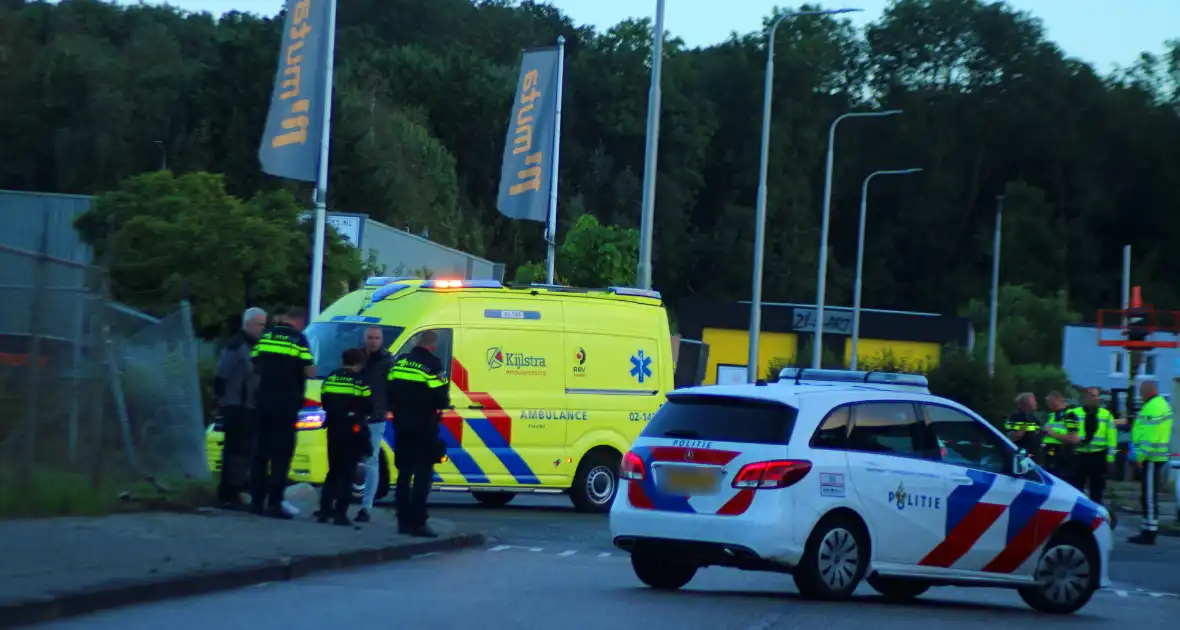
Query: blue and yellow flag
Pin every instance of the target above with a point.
(291, 143)
(527, 169)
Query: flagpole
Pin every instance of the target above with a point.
(320, 196)
(551, 228)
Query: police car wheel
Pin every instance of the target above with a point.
(596, 482)
(834, 559)
(661, 571)
(1067, 575)
(493, 499)
(897, 589)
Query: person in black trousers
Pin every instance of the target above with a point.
(283, 362)
(418, 393)
(234, 386)
(348, 403)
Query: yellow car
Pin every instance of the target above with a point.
(549, 385)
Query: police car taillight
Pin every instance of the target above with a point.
(779, 473)
(632, 467)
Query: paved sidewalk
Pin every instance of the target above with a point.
(53, 568)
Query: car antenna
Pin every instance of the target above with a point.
(798, 375)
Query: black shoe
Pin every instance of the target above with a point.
(322, 516)
(423, 532)
(1142, 538)
(362, 516)
(278, 513)
(232, 505)
(257, 510)
(341, 519)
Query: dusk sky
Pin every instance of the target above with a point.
(1103, 32)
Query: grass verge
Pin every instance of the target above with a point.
(49, 493)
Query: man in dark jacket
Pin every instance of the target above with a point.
(234, 386)
(376, 370)
(283, 362)
(418, 393)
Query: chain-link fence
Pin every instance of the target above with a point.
(93, 394)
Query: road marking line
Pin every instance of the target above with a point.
(1120, 592)
(535, 549)
(605, 554)
(500, 547)
(568, 553)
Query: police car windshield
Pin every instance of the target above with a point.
(328, 340)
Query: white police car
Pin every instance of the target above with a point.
(834, 476)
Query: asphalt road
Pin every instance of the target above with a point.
(549, 567)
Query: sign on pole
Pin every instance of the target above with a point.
(290, 145)
(526, 172)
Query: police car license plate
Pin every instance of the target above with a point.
(689, 480)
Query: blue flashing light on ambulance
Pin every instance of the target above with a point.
(550, 385)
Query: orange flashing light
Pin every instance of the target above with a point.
(449, 284)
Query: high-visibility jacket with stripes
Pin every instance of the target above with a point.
(1060, 423)
(1152, 431)
(280, 358)
(1106, 434)
(418, 390)
(347, 399)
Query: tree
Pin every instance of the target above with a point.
(592, 255)
(96, 91)
(1029, 326)
(166, 238)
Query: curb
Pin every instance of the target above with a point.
(130, 593)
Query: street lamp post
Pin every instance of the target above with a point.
(821, 282)
(860, 254)
(995, 297)
(648, 210)
(760, 213)
(163, 154)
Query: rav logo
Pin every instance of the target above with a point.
(580, 368)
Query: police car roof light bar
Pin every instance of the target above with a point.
(854, 376)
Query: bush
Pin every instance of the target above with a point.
(1041, 379)
(963, 378)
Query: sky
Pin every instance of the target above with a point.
(1106, 33)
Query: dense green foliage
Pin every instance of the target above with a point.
(1087, 162)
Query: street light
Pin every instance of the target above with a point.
(648, 210)
(760, 213)
(821, 282)
(860, 254)
(995, 297)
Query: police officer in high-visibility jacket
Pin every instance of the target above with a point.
(1061, 435)
(418, 393)
(283, 363)
(1023, 427)
(1095, 451)
(1150, 437)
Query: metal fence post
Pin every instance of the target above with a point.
(33, 391)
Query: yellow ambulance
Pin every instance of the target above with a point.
(549, 384)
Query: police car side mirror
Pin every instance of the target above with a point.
(1022, 464)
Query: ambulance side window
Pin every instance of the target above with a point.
(442, 351)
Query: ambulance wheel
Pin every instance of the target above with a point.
(494, 499)
(834, 560)
(897, 589)
(596, 482)
(1067, 574)
(661, 571)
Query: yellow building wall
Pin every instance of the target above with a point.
(918, 355)
(733, 346)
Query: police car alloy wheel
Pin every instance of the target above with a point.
(1067, 576)
(834, 561)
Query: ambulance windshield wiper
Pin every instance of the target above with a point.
(682, 433)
